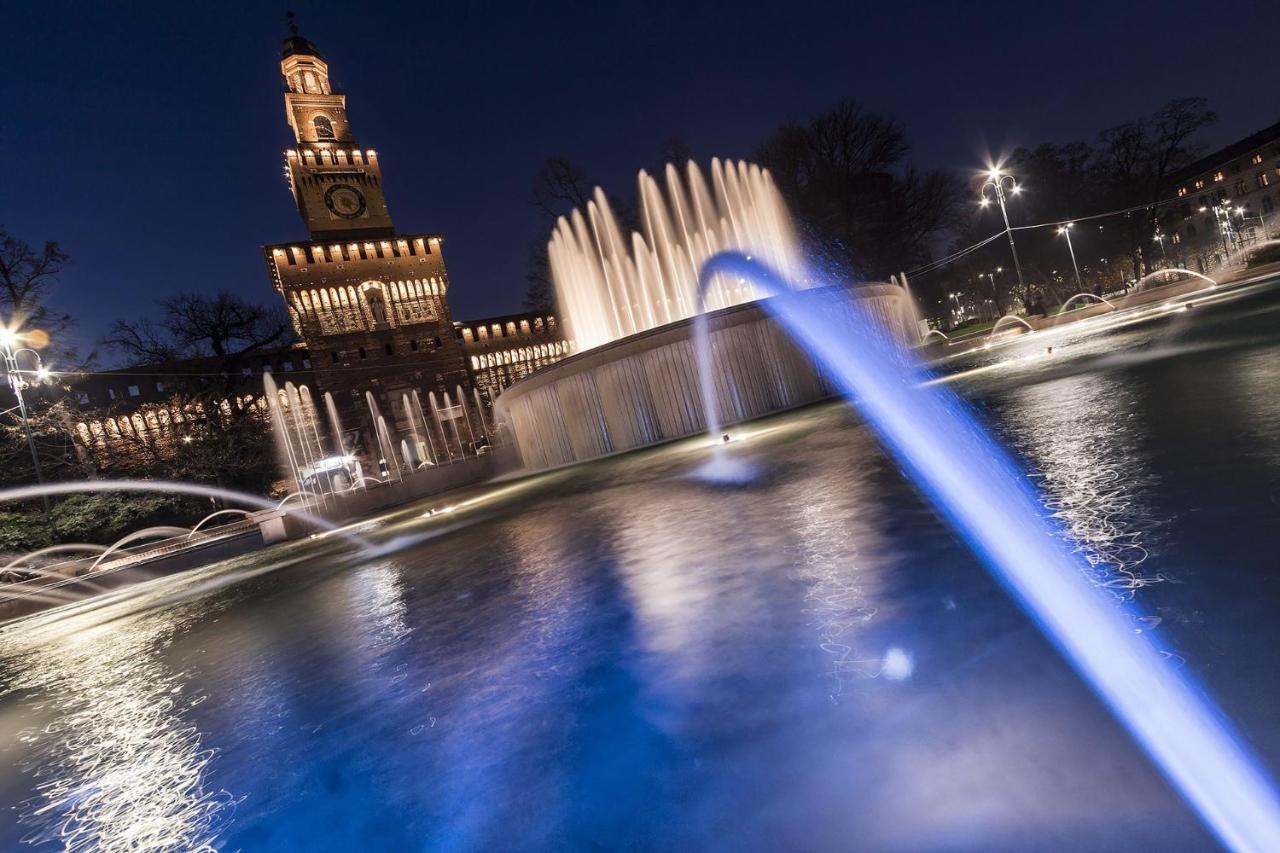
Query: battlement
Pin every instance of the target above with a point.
(318, 253)
(318, 155)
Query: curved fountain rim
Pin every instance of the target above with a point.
(580, 361)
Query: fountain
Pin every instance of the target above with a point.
(1086, 295)
(634, 380)
(989, 499)
(934, 333)
(610, 287)
(1170, 273)
(1011, 320)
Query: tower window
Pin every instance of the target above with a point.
(436, 340)
(363, 354)
(334, 356)
(324, 127)
(413, 345)
(391, 350)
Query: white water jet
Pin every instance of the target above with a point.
(426, 430)
(382, 436)
(68, 548)
(609, 286)
(988, 498)
(440, 423)
(171, 487)
(335, 425)
(1011, 318)
(486, 422)
(163, 531)
(284, 446)
(934, 333)
(1170, 272)
(911, 309)
(1086, 295)
(414, 462)
(240, 512)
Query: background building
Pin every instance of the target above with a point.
(1228, 202)
(372, 304)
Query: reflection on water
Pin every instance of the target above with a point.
(117, 766)
(835, 521)
(628, 657)
(1079, 434)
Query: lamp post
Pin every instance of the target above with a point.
(17, 379)
(1065, 230)
(996, 186)
(1159, 238)
(995, 291)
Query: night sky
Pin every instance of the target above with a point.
(147, 138)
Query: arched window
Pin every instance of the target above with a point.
(324, 127)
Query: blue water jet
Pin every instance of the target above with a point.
(988, 498)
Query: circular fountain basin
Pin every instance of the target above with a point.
(644, 389)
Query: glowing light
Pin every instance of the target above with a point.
(898, 665)
(8, 337)
(990, 500)
(43, 373)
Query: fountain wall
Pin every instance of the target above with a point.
(644, 389)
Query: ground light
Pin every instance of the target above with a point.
(989, 499)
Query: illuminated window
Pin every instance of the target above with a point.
(1257, 158)
(324, 127)
(1217, 176)
(1182, 191)
(1263, 180)
(134, 391)
(1200, 184)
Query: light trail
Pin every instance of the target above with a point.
(992, 503)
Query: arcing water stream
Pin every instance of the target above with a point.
(990, 500)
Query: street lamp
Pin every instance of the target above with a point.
(17, 379)
(1065, 230)
(997, 184)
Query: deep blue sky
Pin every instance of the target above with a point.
(147, 138)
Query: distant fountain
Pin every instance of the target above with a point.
(1086, 295)
(1170, 273)
(383, 436)
(1008, 320)
(164, 531)
(486, 425)
(335, 425)
(988, 498)
(441, 422)
(911, 308)
(610, 286)
(934, 333)
(199, 524)
(426, 430)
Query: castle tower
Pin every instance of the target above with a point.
(337, 187)
(370, 304)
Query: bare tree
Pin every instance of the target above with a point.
(28, 277)
(1136, 158)
(559, 187)
(222, 325)
(844, 176)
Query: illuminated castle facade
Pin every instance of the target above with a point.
(372, 304)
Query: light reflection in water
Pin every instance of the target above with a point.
(835, 521)
(116, 766)
(1079, 433)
